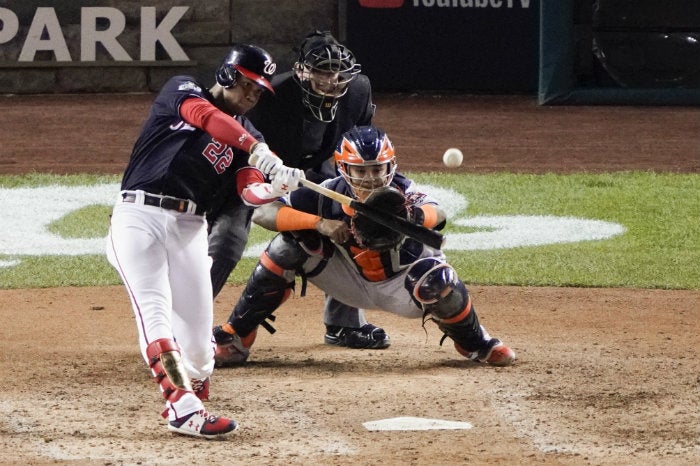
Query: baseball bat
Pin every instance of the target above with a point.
(425, 235)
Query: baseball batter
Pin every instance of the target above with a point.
(358, 261)
(324, 95)
(193, 149)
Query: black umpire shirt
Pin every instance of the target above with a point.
(296, 136)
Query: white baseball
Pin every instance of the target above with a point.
(452, 157)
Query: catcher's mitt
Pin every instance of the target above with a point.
(372, 235)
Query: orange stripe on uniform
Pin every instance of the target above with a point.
(270, 265)
(370, 262)
(461, 316)
(289, 219)
(430, 215)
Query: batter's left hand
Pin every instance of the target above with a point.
(264, 159)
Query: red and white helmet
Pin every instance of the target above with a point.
(249, 60)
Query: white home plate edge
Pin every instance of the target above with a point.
(415, 423)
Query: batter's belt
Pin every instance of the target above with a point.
(164, 202)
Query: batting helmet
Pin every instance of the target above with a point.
(249, 60)
(323, 70)
(367, 147)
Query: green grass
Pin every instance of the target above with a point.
(88, 222)
(44, 179)
(660, 249)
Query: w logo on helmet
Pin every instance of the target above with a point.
(270, 67)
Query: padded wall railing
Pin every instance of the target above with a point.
(619, 52)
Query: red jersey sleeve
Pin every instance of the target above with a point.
(202, 114)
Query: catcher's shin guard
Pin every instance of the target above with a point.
(269, 285)
(470, 339)
(434, 286)
(463, 326)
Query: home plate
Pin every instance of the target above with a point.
(415, 423)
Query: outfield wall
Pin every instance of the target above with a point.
(564, 51)
(620, 52)
(124, 46)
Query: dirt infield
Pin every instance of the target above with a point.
(73, 134)
(604, 376)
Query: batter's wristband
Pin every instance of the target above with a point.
(289, 219)
(430, 216)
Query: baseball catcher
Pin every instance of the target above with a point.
(356, 260)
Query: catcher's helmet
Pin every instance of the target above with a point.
(370, 148)
(323, 70)
(249, 60)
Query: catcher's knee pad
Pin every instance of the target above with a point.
(304, 252)
(167, 369)
(289, 251)
(432, 283)
(272, 280)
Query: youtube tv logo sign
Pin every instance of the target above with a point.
(381, 3)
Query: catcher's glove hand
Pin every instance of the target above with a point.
(372, 235)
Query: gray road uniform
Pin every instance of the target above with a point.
(411, 280)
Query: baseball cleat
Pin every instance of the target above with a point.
(367, 337)
(231, 349)
(202, 424)
(495, 353)
(201, 388)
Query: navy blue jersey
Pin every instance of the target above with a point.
(372, 265)
(173, 158)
